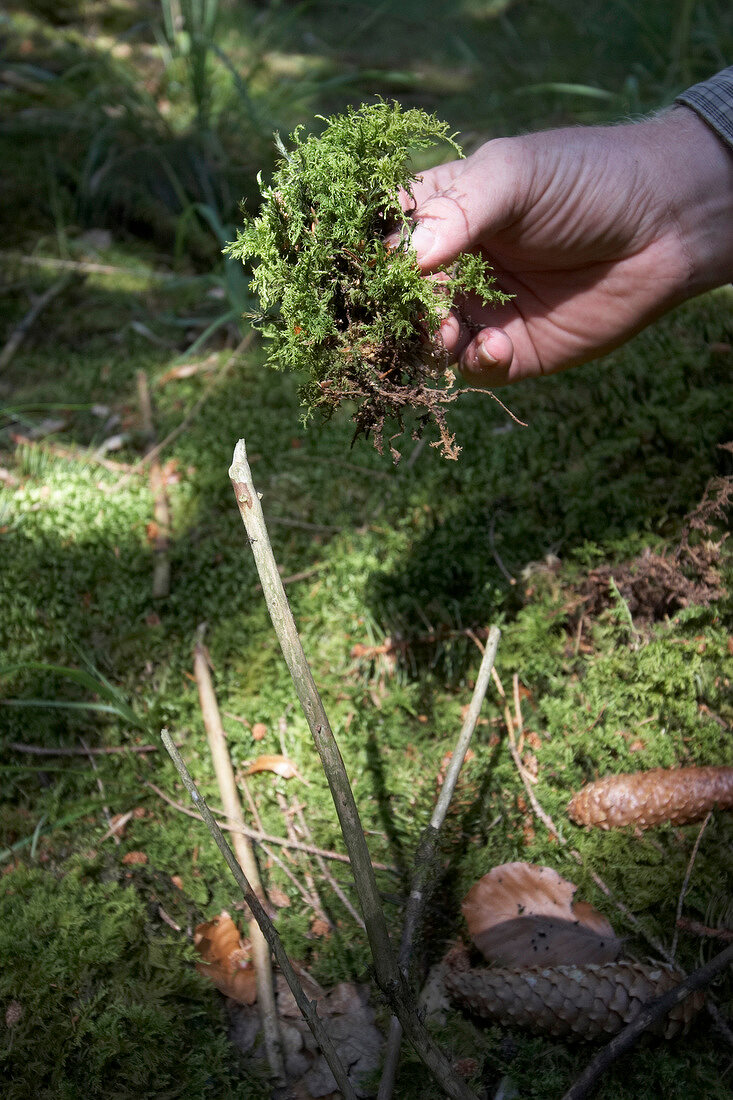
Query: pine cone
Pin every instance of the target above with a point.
(581, 1002)
(677, 795)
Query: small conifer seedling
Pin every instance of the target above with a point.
(337, 302)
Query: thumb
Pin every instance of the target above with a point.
(478, 202)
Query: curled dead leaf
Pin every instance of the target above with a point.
(226, 960)
(259, 731)
(280, 765)
(131, 859)
(521, 915)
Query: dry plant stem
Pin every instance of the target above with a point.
(311, 891)
(161, 509)
(306, 1006)
(155, 451)
(427, 848)
(388, 974)
(245, 854)
(73, 454)
(265, 838)
(650, 1013)
(327, 874)
(111, 830)
(686, 881)
(695, 928)
(41, 750)
(21, 330)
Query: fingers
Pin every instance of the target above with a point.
(484, 359)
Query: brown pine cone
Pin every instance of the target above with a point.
(677, 795)
(581, 1002)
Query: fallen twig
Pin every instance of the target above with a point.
(98, 750)
(21, 330)
(245, 854)
(267, 838)
(426, 852)
(305, 1005)
(311, 891)
(84, 267)
(647, 1016)
(388, 974)
(686, 880)
(697, 928)
(155, 451)
(111, 829)
(74, 454)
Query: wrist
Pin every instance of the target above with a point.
(696, 179)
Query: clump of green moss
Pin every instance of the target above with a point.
(338, 303)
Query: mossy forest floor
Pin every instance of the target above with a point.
(101, 994)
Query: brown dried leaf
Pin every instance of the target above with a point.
(644, 799)
(226, 960)
(280, 765)
(259, 731)
(522, 915)
(278, 897)
(134, 858)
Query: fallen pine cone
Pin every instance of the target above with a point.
(581, 1002)
(644, 799)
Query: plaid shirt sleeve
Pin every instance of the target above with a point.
(713, 102)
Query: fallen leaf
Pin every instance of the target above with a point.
(177, 881)
(226, 960)
(280, 765)
(320, 927)
(259, 730)
(132, 858)
(278, 897)
(522, 915)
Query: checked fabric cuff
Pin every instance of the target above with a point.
(713, 102)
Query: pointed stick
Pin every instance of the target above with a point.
(389, 977)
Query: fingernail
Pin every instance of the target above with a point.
(423, 241)
(484, 356)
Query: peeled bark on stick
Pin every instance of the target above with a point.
(245, 854)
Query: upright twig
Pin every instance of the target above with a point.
(686, 881)
(161, 509)
(426, 852)
(388, 974)
(305, 1005)
(245, 854)
(648, 1014)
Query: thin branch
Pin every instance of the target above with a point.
(111, 829)
(648, 1015)
(85, 268)
(686, 880)
(155, 451)
(697, 928)
(340, 894)
(427, 848)
(388, 974)
(245, 854)
(311, 890)
(21, 330)
(266, 838)
(103, 750)
(268, 929)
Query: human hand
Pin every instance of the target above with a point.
(595, 231)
